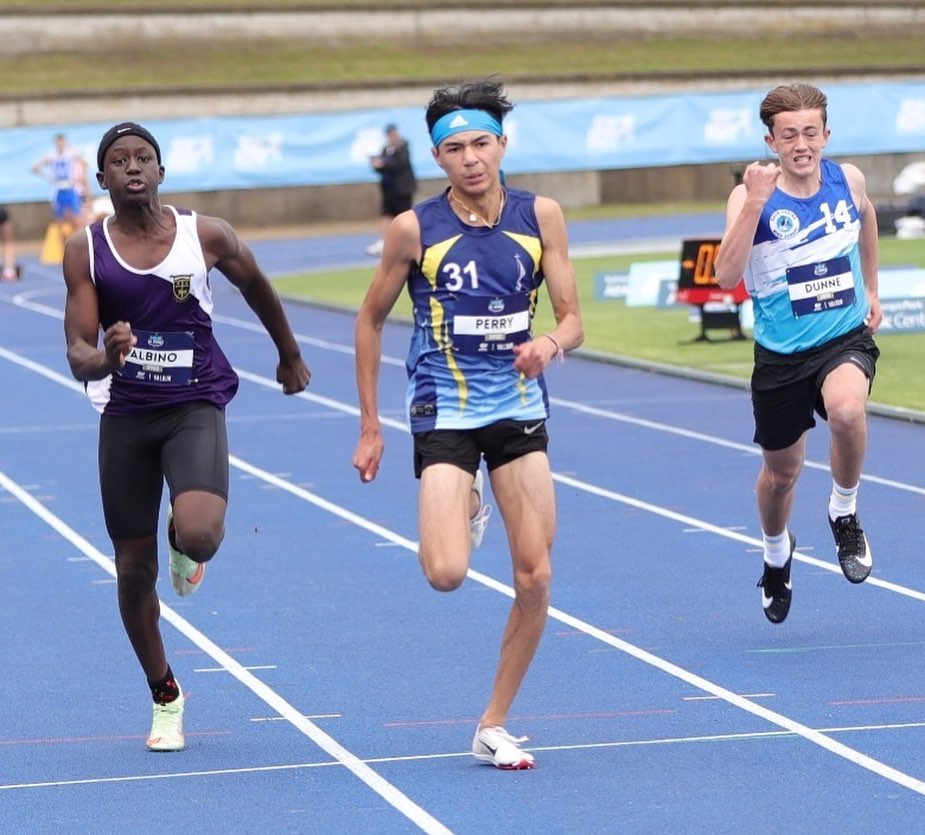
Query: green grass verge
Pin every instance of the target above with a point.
(216, 65)
(663, 336)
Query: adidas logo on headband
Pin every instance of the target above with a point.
(458, 121)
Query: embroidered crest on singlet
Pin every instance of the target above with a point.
(784, 224)
(181, 286)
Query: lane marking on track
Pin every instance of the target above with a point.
(594, 411)
(696, 681)
(392, 795)
(690, 522)
(373, 779)
(584, 746)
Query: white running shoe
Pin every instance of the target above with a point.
(496, 746)
(185, 574)
(479, 522)
(167, 726)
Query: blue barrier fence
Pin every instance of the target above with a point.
(556, 135)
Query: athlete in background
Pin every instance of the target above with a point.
(66, 170)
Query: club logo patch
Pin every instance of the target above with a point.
(181, 287)
(784, 224)
(496, 306)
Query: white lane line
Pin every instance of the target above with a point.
(246, 667)
(665, 666)
(296, 718)
(750, 449)
(649, 658)
(690, 522)
(584, 746)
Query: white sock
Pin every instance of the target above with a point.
(776, 548)
(843, 501)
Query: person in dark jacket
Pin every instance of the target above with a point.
(396, 180)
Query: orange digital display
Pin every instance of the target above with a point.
(697, 282)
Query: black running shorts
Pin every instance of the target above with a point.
(787, 388)
(187, 445)
(500, 443)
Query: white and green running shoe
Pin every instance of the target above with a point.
(167, 726)
(185, 574)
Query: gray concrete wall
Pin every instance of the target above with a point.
(449, 23)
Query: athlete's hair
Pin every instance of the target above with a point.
(790, 97)
(486, 94)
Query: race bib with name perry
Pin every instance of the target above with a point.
(489, 324)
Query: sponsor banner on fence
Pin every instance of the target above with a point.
(591, 134)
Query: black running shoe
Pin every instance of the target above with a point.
(852, 547)
(776, 588)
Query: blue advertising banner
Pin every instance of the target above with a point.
(558, 135)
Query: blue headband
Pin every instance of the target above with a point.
(457, 121)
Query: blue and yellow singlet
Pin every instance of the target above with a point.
(474, 295)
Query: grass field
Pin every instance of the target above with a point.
(199, 62)
(255, 64)
(663, 336)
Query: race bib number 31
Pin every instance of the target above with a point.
(815, 288)
(486, 324)
(162, 358)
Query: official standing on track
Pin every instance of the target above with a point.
(803, 233)
(161, 384)
(473, 259)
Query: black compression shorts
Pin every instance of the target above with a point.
(187, 445)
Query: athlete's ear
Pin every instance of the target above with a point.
(101, 179)
(436, 153)
(160, 174)
(769, 141)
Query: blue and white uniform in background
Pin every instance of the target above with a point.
(177, 359)
(804, 272)
(64, 173)
(474, 294)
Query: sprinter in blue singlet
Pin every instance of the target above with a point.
(802, 233)
(473, 260)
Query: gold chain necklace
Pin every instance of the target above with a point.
(474, 216)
